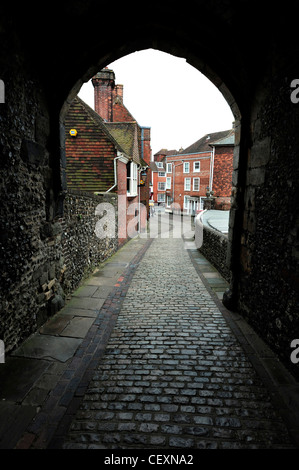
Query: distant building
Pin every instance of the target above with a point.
(158, 172)
(185, 177)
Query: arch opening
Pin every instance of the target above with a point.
(199, 66)
(258, 74)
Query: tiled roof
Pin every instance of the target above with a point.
(125, 133)
(203, 144)
(229, 140)
(153, 166)
(89, 156)
(167, 152)
(100, 122)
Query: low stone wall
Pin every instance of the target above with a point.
(82, 250)
(214, 248)
(46, 260)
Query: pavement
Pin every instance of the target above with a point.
(218, 220)
(145, 356)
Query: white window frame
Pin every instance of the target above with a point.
(168, 182)
(161, 197)
(196, 179)
(132, 180)
(161, 173)
(186, 169)
(169, 168)
(186, 202)
(161, 185)
(159, 164)
(187, 184)
(196, 170)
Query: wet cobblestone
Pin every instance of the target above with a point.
(173, 374)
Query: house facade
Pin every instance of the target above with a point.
(105, 155)
(185, 177)
(188, 176)
(159, 181)
(108, 103)
(223, 168)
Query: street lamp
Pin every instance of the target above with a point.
(209, 193)
(209, 201)
(143, 177)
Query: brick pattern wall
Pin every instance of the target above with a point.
(90, 154)
(103, 97)
(120, 113)
(179, 176)
(222, 180)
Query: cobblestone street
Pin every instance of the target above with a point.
(173, 374)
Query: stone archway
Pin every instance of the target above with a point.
(256, 55)
(205, 70)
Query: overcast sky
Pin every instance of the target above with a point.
(165, 93)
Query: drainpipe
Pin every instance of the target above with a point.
(119, 155)
(142, 141)
(212, 168)
(174, 167)
(139, 218)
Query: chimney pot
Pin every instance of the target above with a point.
(119, 90)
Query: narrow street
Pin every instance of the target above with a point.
(173, 374)
(145, 356)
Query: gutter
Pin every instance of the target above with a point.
(212, 167)
(142, 137)
(125, 160)
(140, 169)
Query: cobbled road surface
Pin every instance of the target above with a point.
(173, 375)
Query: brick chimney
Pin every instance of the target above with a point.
(104, 83)
(146, 151)
(119, 92)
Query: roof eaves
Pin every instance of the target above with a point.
(228, 140)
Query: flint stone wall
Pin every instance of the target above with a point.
(215, 249)
(45, 261)
(82, 249)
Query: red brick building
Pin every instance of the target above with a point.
(184, 176)
(158, 175)
(223, 169)
(106, 155)
(108, 103)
